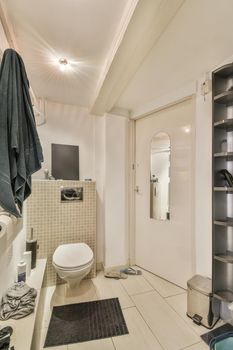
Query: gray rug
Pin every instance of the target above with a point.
(81, 322)
(207, 337)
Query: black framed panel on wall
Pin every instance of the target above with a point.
(65, 162)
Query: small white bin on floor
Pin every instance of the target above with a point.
(201, 306)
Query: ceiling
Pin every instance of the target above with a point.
(125, 53)
(198, 38)
(86, 32)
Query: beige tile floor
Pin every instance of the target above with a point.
(154, 310)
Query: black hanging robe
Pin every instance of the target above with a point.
(20, 148)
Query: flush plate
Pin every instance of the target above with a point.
(70, 194)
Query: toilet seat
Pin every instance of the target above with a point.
(62, 268)
(73, 256)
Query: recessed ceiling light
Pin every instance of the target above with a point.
(63, 63)
(187, 129)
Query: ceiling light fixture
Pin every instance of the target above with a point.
(63, 62)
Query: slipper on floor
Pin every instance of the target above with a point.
(131, 271)
(115, 274)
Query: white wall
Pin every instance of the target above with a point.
(116, 187)
(10, 254)
(69, 124)
(203, 183)
(100, 185)
(72, 125)
(3, 40)
(103, 157)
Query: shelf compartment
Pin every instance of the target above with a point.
(223, 222)
(225, 97)
(224, 155)
(224, 71)
(225, 258)
(222, 278)
(226, 124)
(223, 189)
(224, 295)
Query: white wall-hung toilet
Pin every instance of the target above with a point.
(73, 262)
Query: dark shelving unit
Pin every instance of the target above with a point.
(226, 124)
(226, 223)
(225, 258)
(222, 255)
(224, 189)
(224, 98)
(227, 155)
(224, 295)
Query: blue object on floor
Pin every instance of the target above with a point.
(222, 342)
(219, 333)
(131, 271)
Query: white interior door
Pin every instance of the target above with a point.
(166, 247)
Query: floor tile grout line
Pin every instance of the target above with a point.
(156, 336)
(154, 290)
(146, 291)
(141, 313)
(113, 343)
(130, 295)
(162, 347)
(182, 319)
(126, 292)
(152, 284)
(160, 278)
(175, 295)
(160, 293)
(127, 307)
(134, 294)
(188, 347)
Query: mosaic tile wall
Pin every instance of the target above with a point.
(55, 222)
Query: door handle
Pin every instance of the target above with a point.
(136, 189)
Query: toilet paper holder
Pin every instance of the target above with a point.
(2, 227)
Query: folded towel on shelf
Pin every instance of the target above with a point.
(18, 302)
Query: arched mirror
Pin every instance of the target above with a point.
(160, 176)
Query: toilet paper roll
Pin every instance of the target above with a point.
(6, 226)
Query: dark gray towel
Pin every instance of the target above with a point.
(20, 149)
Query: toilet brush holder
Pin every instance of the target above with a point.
(32, 246)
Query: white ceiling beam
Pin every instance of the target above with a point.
(122, 27)
(150, 19)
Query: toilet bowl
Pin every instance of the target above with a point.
(73, 262)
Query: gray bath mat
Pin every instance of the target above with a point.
(207, 337)
(81, 322)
